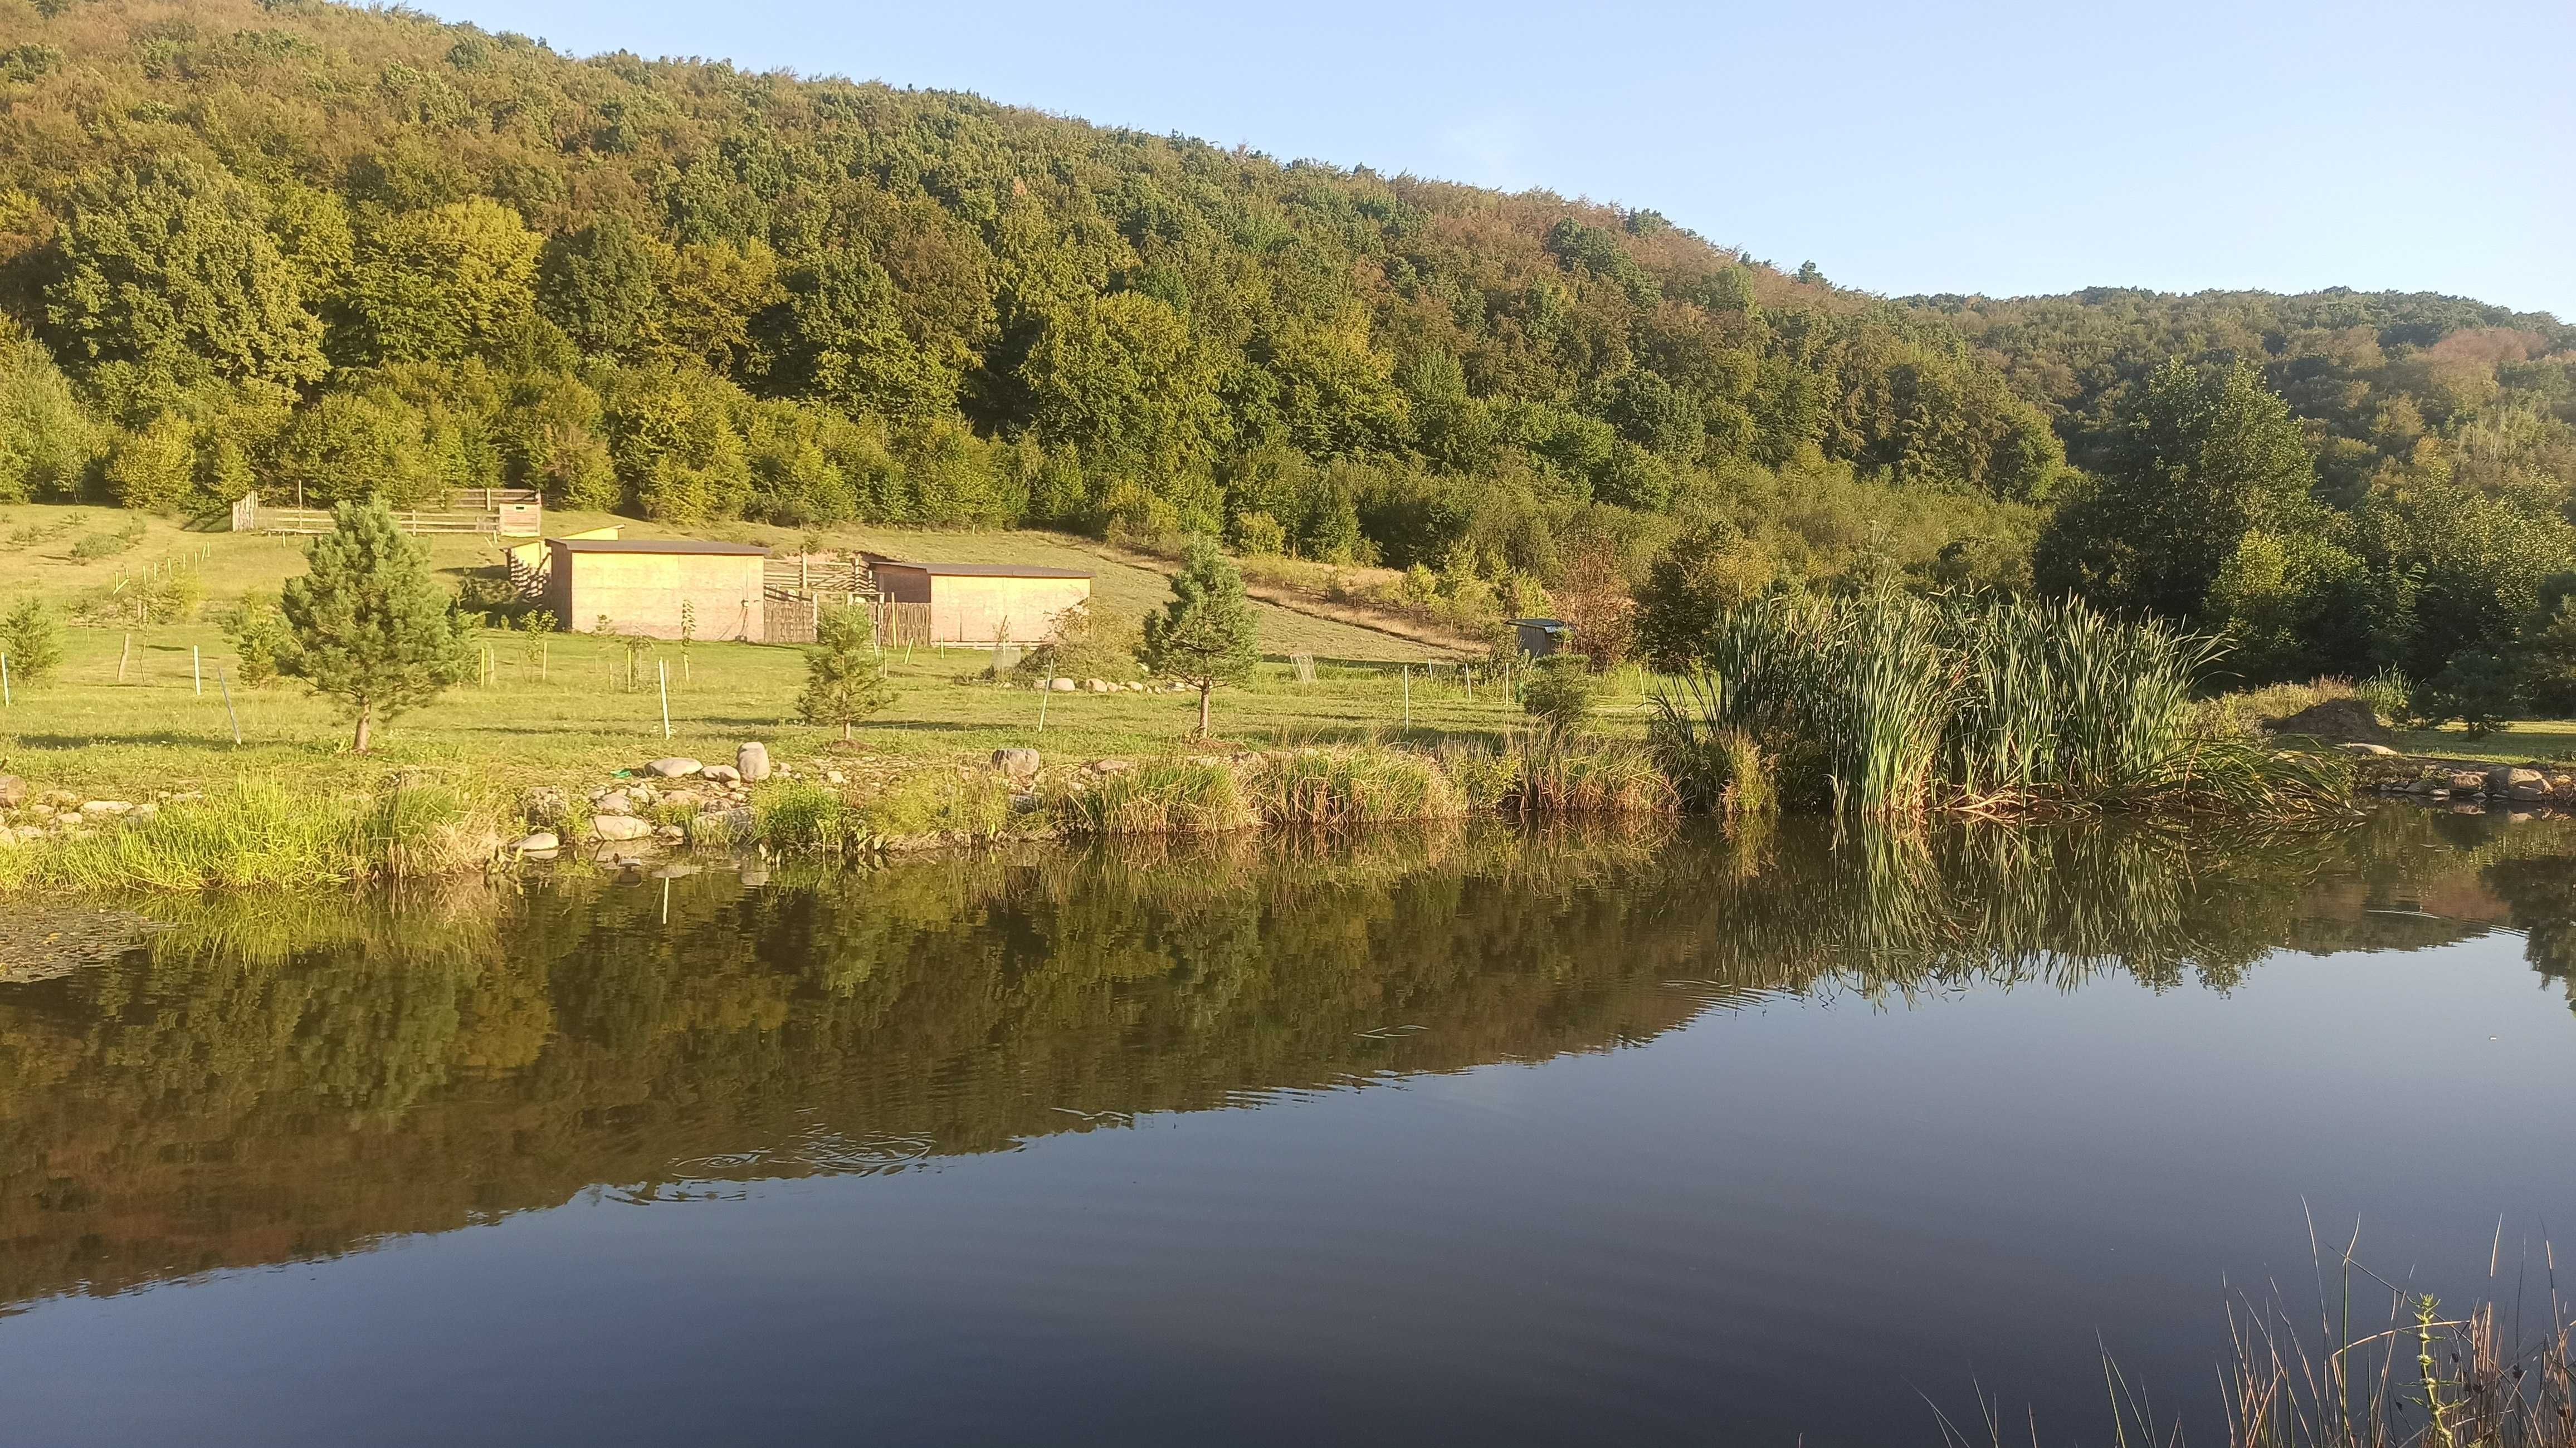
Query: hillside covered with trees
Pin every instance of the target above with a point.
(323, 251)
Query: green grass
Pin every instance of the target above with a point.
(83, 729)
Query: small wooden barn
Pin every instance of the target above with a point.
(982, 603)
(638, 586)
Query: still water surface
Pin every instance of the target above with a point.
(1481, 1137)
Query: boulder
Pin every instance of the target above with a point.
(2521, 784)
(538, 840)
(1017, 763)
(98, 808)
(2337, 720)
(1110, 766)
(1026, 804)
(1061, 686)
(620, 827)
(1095, 686)
(2360, 749)
(614, 802)
(673, 768)
(720, 774)
(2468, 781)
(752, 761)
(13, 791)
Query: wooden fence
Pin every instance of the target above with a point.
(502, 512)
(791, 620)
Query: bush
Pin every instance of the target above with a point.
(1558, 695)
(260, 638)
(2478, 688)
(93, 546)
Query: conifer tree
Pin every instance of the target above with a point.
(845, 678)
(371, 626)
(32, 640)
(1208, 634)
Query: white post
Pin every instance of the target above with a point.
(228, 704)
(664, 669)
(197, 670)
(4, 678)
(1046, 686)
(1408, 696)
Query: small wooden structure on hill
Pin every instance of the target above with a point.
(640, 586)
(1542, 637)
(983, 603)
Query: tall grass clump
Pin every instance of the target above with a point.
(261, 834)
(973, 805)
(1889, 704)
(797, 817)
(1319, 787)
(1162, 797)
(1613, 779)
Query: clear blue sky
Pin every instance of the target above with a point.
(1903, 147)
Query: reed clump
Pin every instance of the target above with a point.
(261, 834)
(1161, 797)
(1610, 779)
(1336, 787)
(1890, 704)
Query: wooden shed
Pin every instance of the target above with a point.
(982, 603)
(639, 584)
(1542, 637)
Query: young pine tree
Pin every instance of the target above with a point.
(371, 627)
(1208, 634)
(32, 640)
(845, 678)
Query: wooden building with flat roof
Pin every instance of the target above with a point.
(982, 603)
(638, 585)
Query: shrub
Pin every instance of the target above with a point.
(1558, 695)
(798, 816)
(938, 802)
(2479, 688)
(1171, 796)
(1354, 786)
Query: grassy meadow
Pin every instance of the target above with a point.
(540, 721)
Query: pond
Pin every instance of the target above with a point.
(1654, 1135)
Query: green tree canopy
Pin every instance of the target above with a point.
(372, 628)
(168, 269)
(845, 674)
(1208, 634)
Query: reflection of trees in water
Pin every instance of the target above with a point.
(278, 1079)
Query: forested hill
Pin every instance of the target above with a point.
(2383, 381)
(310, 244)
(303, 247)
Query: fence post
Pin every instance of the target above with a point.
(228, 704)
(4, 678)
(663, 668)
(1408, 696)
(122, 655)
(197, 670)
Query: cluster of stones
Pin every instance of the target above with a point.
(715, 797)
(27, 817)
(2474, 789)
(1022, 767)
(1063, 685)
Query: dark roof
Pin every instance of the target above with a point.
(1542, 622)
(983, 570)
(656, 545)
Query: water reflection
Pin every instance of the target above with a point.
(269, 1081)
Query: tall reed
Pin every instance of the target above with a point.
(1888, 704)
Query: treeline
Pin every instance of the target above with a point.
(2346, 483)
(310, 248)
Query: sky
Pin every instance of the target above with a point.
(2003, 149)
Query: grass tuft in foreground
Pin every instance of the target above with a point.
(261, 834)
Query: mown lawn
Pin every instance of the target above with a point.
(2525, 741)
(156, 729)
(574, 715)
